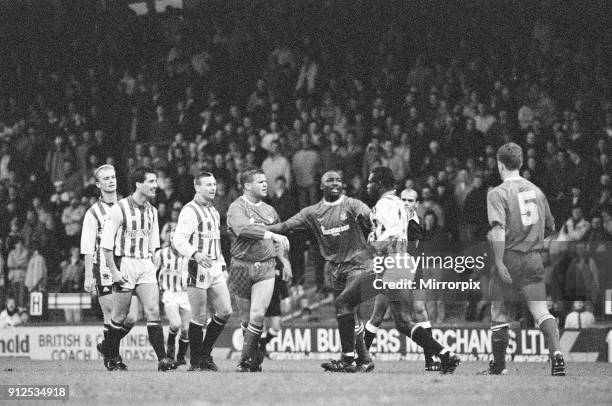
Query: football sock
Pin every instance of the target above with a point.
(426, 325)
(171, 342)
(500, 337)
(425, 341)
(104, 340)
(125, 330)
(269, 336)
(113, 339)
(251, 339)
(183, 345)
(369, 334)
(214, 328)
(156, 338)
(360, 346)
(548, 326)
(195, 341)
(346, 327)
(244, 325)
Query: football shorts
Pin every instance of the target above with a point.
(176, 298)
(243, 275)
(138, 272)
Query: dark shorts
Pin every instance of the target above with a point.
(280, 293)
(342, 273)
(524, 268)
(243, 275)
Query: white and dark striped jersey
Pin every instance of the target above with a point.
(172, 269)
(91, 235)
(198, 231)
(389, 223)
(132, 230)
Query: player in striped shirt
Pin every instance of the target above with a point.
(252, 269)
(98, 278)
(389, 237)
(197, 237)
(132, 234)
(418, 309)
(172, 277)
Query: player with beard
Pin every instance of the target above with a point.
(418, 310)
(131, 234)
(98, 278)
(336, 222)
(389, 238)
(252, 269)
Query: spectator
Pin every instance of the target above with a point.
(276, 165)
(36, 276)
(576, 228)
(17, 264)
(72, 219)
(9, 317)
(580, 317)
(306, 165)
(475, 206)
(582, 277)
(427, 204)
(73, 271)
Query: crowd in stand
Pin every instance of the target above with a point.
(300, 90)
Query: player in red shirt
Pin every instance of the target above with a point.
(520, 219)
(252, 268)
(335, 222)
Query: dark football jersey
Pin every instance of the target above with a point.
(335, 227)
(522, 210)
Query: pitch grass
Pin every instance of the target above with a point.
(304, 383)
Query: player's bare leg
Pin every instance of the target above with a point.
(534, 293)
(148, 293)
(261, 294)
(271, 329)
(219, 298)
(199, 308)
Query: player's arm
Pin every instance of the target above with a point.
(297, 222)
(549, 222)
(157, 260)
(496, 214)
(362, 214)
(239, 223)
(154, 242)
(88, 246)
(111, 226)
(283, 256)
(185, 227)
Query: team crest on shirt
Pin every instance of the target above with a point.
(343, 216)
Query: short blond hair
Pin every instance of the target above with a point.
(100, 168)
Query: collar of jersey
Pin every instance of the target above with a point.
(513, 178)
(338, 201)
(250, 202)
(389, 193)
(133, 202)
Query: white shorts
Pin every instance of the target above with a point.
(206, 278)
(138, 271)
(180, 299)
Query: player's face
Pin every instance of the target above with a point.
(258, 186)
(107, 181)
(410, 201)
(149, 186)
(207, 188)
(332, 185)
(373, 188)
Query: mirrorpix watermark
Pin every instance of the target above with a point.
(397, 271)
